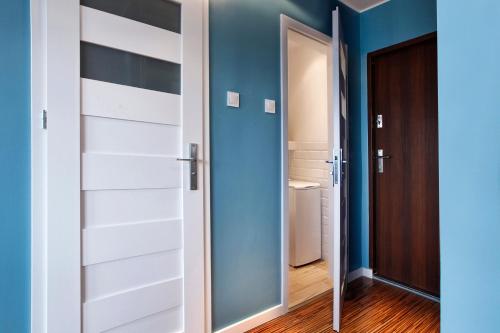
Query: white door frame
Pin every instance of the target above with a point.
(55, 168)
(288, 23)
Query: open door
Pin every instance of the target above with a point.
(340, 157)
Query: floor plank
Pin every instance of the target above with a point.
(372, 307)
(307, 282)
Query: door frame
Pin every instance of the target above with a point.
(371, 123)
(52, 267)
(287, 23)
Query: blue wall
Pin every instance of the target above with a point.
(469, 159)
(14, 166)
(385, 25)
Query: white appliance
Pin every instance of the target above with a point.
(305, 222)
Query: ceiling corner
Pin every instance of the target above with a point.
(361, 6)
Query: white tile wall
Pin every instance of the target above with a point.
(307, 163)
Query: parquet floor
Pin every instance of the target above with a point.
(371, 307)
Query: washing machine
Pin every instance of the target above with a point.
(305, 222)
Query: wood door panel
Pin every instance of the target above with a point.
(405, 195)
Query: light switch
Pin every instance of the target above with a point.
(270, 106)
(233, 99)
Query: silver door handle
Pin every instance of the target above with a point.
(193, 166)
(380, 160)
(329, 162)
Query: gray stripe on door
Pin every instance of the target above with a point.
(163, 14)
(116, 66)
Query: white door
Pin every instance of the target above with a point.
(138, 68)
(340, 153)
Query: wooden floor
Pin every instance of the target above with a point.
(372, 307)
(306, 282)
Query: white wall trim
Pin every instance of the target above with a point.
(61, 235)
(255, 320)
(360, 272)
(287, 23)
(206, 167)
(362, 10)
(38, 294)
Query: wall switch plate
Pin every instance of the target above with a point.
(270, 106)
(233, 99)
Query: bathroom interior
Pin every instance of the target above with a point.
(308, 144)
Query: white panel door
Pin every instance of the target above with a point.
(136, 71)
(340, 181)
(142, 226)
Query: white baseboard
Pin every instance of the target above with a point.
(360, 272)
(255, 320)
(279, 310)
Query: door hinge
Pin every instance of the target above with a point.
(44, 119)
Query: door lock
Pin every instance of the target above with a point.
(380, 160)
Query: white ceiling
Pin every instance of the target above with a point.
(362, 5)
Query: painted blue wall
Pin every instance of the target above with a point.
(385, 25)
(469, 160)
(14, 166)
(351, 28)
(245, 151)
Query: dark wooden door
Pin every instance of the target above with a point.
(405, 194)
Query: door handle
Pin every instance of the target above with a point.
(380, 160)
(331, 162)
(193, 166)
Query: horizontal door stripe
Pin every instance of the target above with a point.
(107, 207)
(103, 135)
(116, 276)
(163, 14)
(121, 67)
(105, 29)
(103, 244)
(121, 172)
(111, 100)
(104, 314)
(169, 321)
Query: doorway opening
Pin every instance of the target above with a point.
(403, 158)
(307, 101)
